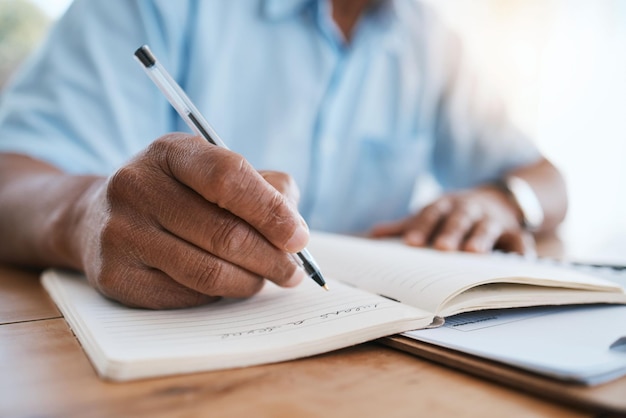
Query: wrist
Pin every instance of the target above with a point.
(523, 197)
(74, 223)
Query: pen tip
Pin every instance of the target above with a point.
(326, 287)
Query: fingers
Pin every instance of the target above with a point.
(209, 231)
(148, 288)
(426, 224)
(418, 230)
(390, 229)
(185, 214)
(483, 237)
(521, 243)
(285, 185)
(135, 243)
(226, 179)
(475, 221)
(186, 222)
(455, 226)
(150, 267)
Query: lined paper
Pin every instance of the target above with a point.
(277, 324)
(367, 280)
(429, 279)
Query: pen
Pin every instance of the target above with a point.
(190, 114)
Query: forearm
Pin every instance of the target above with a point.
(41, 208)
(156, 234)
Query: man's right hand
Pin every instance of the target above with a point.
(183, 223)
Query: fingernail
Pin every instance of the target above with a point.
(477, 246)
(296, 278)
(414, 238)
(299, 238)
(445, 244)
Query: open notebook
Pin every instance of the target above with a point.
(275, 325)
(378, 288)
(583, 344)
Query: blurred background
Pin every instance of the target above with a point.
(560, 64)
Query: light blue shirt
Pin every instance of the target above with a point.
(359, 125)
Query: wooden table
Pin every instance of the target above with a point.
(45, 373)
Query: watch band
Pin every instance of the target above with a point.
(525, 198)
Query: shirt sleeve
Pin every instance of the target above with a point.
(476, 139)
(81, 102)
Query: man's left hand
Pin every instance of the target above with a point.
(478, 220)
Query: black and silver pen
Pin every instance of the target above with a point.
(190, 114)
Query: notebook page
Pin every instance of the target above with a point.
(427, 278)
(275, 325)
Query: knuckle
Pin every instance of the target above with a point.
(123, 228)
(111, 235)
(133, 186)
(431, 213)
(160, 146)
(490, 228)
(164, 145)
(235, 184)
(101, 281)
(129, 290)
(276, 214)
(207, 277)
(472, 210)
(159, 151)
(282, 272)
(231, 179)
(233, 237)
(217, 278)
(124, 184)
(457, 222)
(109, 282)
(125, 242)
(169, 150)
(283, 182)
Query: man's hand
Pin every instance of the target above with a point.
(186, 222)
(477, 220)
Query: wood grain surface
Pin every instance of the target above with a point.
(45, 373)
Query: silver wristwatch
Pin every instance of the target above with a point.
(523, 195)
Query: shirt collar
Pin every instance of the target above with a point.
(280, 9)
(385, 12)
(384, 15)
